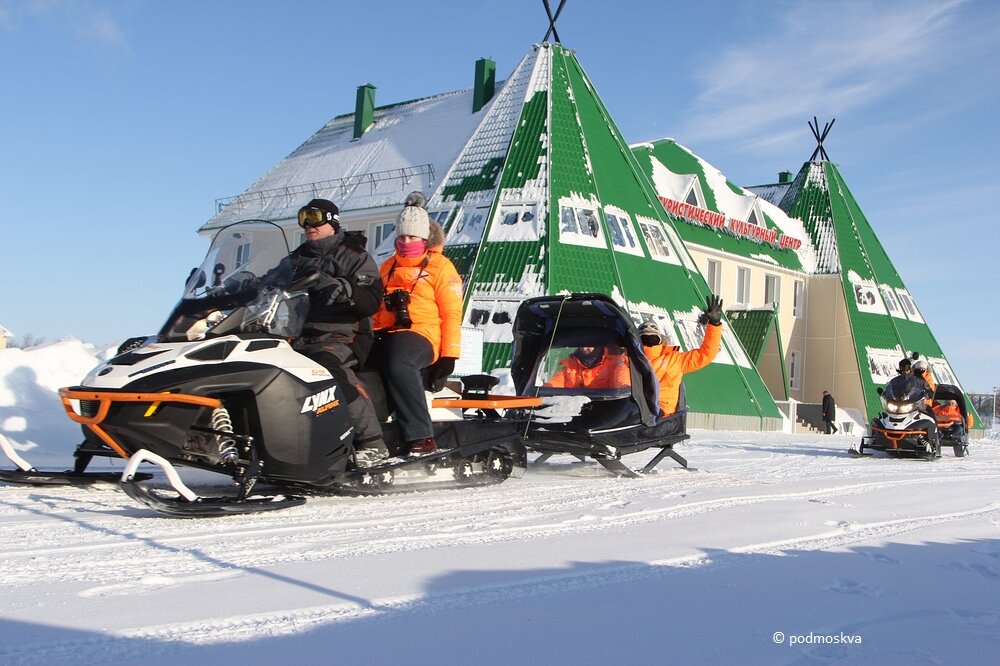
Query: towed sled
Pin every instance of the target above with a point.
(221, 389)
(908, 427)
(952, 433)
(599, 423)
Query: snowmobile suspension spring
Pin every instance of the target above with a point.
(222, 422)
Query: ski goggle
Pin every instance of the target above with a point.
(314, 217)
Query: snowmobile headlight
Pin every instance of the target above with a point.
(900, 407)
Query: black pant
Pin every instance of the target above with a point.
(339, 359)
(829, 425)
(399, 358)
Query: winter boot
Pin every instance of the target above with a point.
(371, 453)
(422, 446)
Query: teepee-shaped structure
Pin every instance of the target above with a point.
(885, 323)
(546, 197)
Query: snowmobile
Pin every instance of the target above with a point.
(221, 388)
(907, 426)
(599, 423)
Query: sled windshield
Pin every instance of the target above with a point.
(242, 286)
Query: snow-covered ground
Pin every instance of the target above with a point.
(777, 549)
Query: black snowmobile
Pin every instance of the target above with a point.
(600, 423)
(907, 427)
(221, 389)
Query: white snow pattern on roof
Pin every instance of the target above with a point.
(407, 148)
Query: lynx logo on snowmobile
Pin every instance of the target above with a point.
(321, 402)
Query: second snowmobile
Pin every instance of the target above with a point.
(907, 426)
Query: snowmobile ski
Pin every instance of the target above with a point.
(28, 475)
(187, 504)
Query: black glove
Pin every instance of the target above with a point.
(336, 291)
(439, 372)
(713, 311)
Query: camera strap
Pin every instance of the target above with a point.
(420, 273)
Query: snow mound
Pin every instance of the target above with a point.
(31, 415)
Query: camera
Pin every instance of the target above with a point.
(397, 302)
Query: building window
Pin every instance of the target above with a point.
(772, 290)
(714, 275)
(798, 296)
(379, 232)
(659, 247)
(242, 254)
(580, 225)
(742, 286)
(516, 222)
(794, 371)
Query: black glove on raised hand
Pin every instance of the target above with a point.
(713, 310)
(439, 372)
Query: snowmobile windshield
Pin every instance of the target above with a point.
(244, 285)
(903, 392)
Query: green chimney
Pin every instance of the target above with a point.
(364, 110)
(486, 78)
(785, 177)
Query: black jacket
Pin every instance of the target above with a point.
(348, 322)
(829, 408)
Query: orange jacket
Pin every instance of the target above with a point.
(947, 413)
(611, 372)
(435, 307)
(670, 365)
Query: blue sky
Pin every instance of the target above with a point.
(122, 122)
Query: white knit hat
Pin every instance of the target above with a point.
(413, 220)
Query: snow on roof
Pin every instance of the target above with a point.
(409, 146)
(772, 193)
(5, 332)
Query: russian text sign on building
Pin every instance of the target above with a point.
(736, 227)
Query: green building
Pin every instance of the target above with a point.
(539, 193)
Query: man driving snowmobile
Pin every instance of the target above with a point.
(338, 330)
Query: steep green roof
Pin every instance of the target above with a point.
(885, 321)
(752, 328)
(552, 199)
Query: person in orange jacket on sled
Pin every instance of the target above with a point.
(670, 364)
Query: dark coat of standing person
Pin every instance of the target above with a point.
(829, 413)
(338, 330)
(419, 324)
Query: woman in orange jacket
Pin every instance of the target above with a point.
(670, 364)
(420, 322)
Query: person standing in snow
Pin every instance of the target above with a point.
(338, 331)
(829, 413)
(419, 323)
(670, 364)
